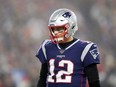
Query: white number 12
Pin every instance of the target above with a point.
(67, 73)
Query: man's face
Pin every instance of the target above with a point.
(58, 31)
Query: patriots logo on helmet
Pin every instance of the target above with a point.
(67, 15)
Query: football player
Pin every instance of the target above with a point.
(67, 61)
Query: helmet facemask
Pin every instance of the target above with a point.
(62, 19)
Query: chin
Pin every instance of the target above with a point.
(61, 42)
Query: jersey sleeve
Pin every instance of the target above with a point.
(41, 53)
(90, 55)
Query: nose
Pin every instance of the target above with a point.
(56, 32)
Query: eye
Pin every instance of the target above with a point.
(59, 29)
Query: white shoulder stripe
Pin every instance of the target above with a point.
(43, 48)
(86, 49)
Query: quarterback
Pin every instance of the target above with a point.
(67, 61)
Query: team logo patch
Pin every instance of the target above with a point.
(94, 53)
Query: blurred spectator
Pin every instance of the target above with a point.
(23, 26)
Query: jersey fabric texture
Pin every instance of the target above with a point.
(66, 66)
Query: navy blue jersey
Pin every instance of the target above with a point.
(66, 66)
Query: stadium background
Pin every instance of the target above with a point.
(23, 26)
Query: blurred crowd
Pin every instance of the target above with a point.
(23, 26)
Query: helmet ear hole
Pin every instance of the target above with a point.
(73, 27)
(61, 20)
